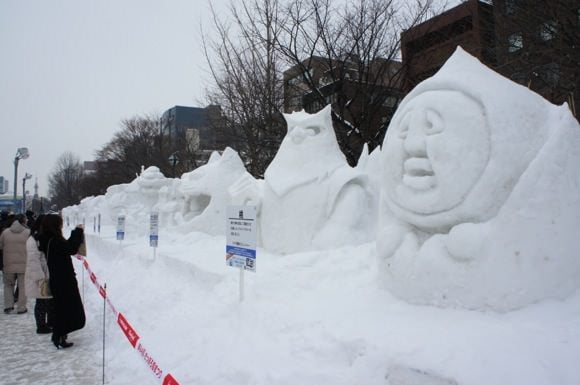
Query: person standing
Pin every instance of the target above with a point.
(13, 244)
(36, 272)
(69, 313)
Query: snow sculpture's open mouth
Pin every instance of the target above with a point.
(418, 174)
(198, 203)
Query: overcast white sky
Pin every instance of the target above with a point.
(71, 70)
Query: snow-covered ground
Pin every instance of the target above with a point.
(307, 318)
(27, 358)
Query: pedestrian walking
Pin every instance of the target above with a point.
(13, 245)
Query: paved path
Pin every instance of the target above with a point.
(30, 358)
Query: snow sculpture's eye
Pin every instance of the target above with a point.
(312, 130)
(433, 122)
(404, 126)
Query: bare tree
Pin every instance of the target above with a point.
(245, 68)
(342, 55)
(348, 56)
(139, 143)
(64, 181)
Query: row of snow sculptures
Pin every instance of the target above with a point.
(241, 240)
(473, 199)
(480, 204)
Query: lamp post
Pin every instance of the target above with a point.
(26, 176)
(173, 160)
(21, 153)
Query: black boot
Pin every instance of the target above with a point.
(43, 329)
(60, 342)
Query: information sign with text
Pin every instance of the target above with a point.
(154, 229)
(241, 237)
(120, 227)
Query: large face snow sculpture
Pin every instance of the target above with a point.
(479, 198)
(437, 153)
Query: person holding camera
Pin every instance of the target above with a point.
(69, 313)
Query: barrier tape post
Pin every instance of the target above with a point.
(104, 312)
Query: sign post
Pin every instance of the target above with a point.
(154, 232)
(99, 223)
(120, 228)
(241, 239)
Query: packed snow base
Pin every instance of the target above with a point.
(309, 318)
(472, 203)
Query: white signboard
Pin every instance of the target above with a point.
(153, 229)
(120, 227)
(241, 237)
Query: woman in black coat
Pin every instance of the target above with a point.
(69, 314)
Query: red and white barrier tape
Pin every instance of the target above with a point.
(132, 336)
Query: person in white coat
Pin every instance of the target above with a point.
(13, 243)
(36, 272)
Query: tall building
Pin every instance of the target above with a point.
(3, 185)
(193, 133)
(427, 46)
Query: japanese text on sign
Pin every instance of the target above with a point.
(241, 237)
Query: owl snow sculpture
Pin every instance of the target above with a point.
(480, 201)
(311, 197)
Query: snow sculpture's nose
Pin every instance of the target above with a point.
(414, 141)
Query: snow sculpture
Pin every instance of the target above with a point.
(170, 204)
(312, 199)
(206, 192)
(150, 182)
(480, 201)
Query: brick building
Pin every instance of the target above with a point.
(428, 45)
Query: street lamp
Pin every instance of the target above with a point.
(173, 160)
(21, 153)
(26, 176)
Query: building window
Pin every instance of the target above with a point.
(548, 30)
(515, 42)
(518, 77)
(390, 101)
(331, 99)
(510, 7)
(550, 74)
